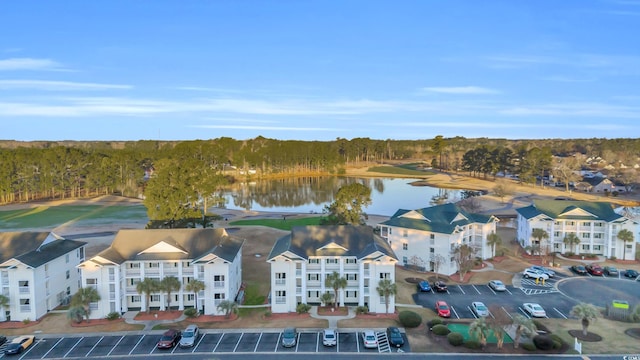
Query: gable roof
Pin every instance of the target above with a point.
(170, 244)
(331, 240)
(570, 209)
(443, 219)
(34, 248)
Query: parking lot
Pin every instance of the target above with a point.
(557, 295)
(208, 342)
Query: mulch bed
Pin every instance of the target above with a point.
(497, 259)
(291, 315)
(327, 311)
(633, 332)
(158, 315)
(17, 324)
(591, 337)
(95, 322)
(456, 277)
(212, 318)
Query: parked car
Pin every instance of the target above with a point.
(594, 269)
(169, 339)
(479, 309)
(545, 270)
(610, 271)
(579, 269)
(395, 337)
(439, 286)
(424, 286)
(189, 336)
(535, 310)
(370, 339)
(630, 273)
(329, 337)
(19, 344)
(289, 337)
(497, 285)
(3, 339)
(442, 309)
(534, 274)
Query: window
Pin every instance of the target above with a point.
(585, 247)
(352, 277)
(219, 296)
(135, 298)
(218, 281)
(154, 265)
(281, 278)
(597, 235)
(281, 297)
(597, 247)
(92, 282)
(332, 261)
(585, 235)
(351, 294)
(556, 246)
(598, 224)
(405, 246)
(385, 276)
(218, 277)
(134, 265)
(68, 290)
(133, 282)
(80, 253)
(313, 294)
(25, 305)
(313, 277)
(314, 261)
(432, 250)
(155, 298)
(557, 234)
(350, 260)
(191, 297)
(68, 274)
(405, 261)
(432, 236)
(570, 223)
(66, 258)
(586, 223)
(405, 233)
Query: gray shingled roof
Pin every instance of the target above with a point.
(128, 245)
(558, 209)
(440, 219)
(306, 241)
(28, 248)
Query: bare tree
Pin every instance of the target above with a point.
(470, 204)
(566, 170)
(503, 189)
(463, 257)
(416, 263)
(437, 260)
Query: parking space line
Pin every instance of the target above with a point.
(358, 343)
(507, 290)
(478, 291)
(297, 342)
(218, 343)
(561, 314)
(238, 342)
(94, 346)
(459, 287)
(136, 345)
(30, 348)
(338, 341)
(198, 344)
(454, 312)
(73, 347)
(472, 313)
(278, 342)
(524, 312)
(115, 346)
(506, 312)
(258, 342)
(317, 341)
(54, 345)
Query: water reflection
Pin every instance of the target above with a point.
(311, 194)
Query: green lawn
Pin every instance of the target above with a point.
(46, 216)
(280, 224)
(464, 330)
(399, 170)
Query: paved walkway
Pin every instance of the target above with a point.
(333, 319)
(129, 318)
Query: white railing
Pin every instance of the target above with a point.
(281, 281)
(25, 308)
(218, 284)
(23, 289)
(281, 300)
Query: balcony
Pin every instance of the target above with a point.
(187, 271)
(218, 284)
(351, 266)
(151, 271)
(25, 308)
(281, 281)
(23, 289)
(298, 272)
(299, 290)
(132, 272)
(281, 300)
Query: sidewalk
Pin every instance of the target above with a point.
(332, 319)
(129, 318)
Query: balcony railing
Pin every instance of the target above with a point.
(133, 272)
(298, 272)
(281, 300)
(281, 281)
(25, 308)
(299, 290)
(188, 271)
(23, 289)
(218, 284)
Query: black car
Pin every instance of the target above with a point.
(439, 286)
(579, 269)
(169, 339)
(631, 274)
(3, 339)
(395, 336)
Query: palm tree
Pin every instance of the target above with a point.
(170, 284)
(386, 288)
(4, 303)
(586, 313)
(540, 234)
(195, 286)
(493, 240)
(326, 298)
(228, 307)
(523, 326)
(147, 286)
(336, 282)
(571, 239)
(626, 236)
(76, 314)
(84, 297)
(480, 330)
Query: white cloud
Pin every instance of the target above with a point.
(274, 128)
(463, 90)
(29, 64)
(57, 85)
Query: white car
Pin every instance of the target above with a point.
(329, 337)
(370, 339)
(534, 274)
(544, 270)
(189, 336)
(535, 310)
(479, 309)
(497, 285)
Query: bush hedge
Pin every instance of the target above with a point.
(543, 342)
(557, 341)
(434, 322)
(190, 312)
(472, 344)
(529, 347)
(409, 319)
(113, 316)
(303, 308)
(455, 338)
(440, 330)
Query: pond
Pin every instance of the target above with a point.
(312, 194)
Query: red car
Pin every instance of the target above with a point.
(442, 309)
(169, 339)
(594, 270)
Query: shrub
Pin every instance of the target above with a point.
(409, 319)
(434, 322)
(190, 312)
(26, 321)
(472, 344)
(303, 308)
(455, 338)
(540, 326)
(267, 313)
(440, 330)
(543, 342)
(613, 258)
(362, 310)
(113, 315)
(569, 254)
(529, 347)
(557, 341)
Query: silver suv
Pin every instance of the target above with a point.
(329, 337)
(535, 274)
(189, 336)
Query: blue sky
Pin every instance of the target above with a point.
(319, 70)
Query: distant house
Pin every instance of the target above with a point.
(596, 224)
(37, 272)
(601, 185)
(301, 261)
(209, 255)
(435, 231)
